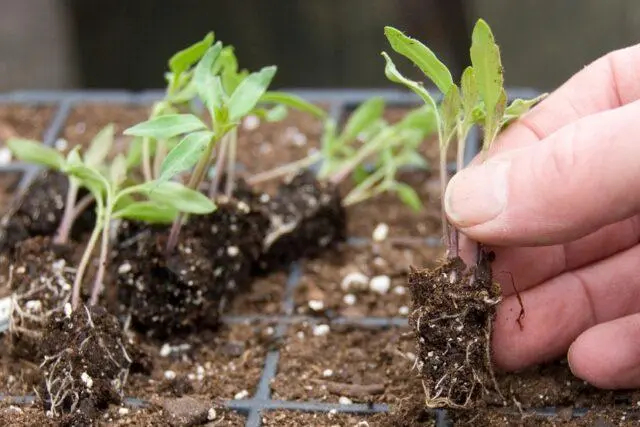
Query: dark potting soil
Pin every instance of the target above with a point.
(39, 210)
(362, 365)
(40, 278)
(307, 218)
(223, 364)
(8, 184)
(452, 312)
(156, 415)
(263, 298)
(326, 280)
(314, 419)
(20, 121)
(85, 364)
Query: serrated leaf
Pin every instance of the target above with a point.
(36, 152)
(408, 196)
(394, 75)
(178, 196)
(469, 91)
(293, 101)
(205, 81)
(249, 92)
(185, 154)
(118, 170)
(487, 66)
(151, 212)
(451, 106)
(166, 126)
(421, 56)
(367, 113)
(185, 58)
(100, 146)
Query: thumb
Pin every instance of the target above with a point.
(575, 181)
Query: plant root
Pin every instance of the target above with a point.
(452, 315)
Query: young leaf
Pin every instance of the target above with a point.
(89, 178)
(469, 91)
(30, 151)
(293, 101)
(450, 111)
(185, 58)
(148, 211)
(134, 153)
(167, 126)
(249, 92)
(100, 146)
(275, 114)
(178, 196)
(185, 155)
(485, 58)
(118, 170)
(394, 75)
(367, 113)
(520, 107)
(421, 56)
(208, 89)
(408, 196)
(421, 119)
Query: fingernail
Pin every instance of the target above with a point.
(478, 194)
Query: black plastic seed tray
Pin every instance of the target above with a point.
(341, 102)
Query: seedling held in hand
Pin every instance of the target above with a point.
(480, 98)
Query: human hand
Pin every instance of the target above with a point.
(558, 201)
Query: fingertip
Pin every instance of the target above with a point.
(608, 355)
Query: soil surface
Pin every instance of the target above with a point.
(363, 365)
(219, 365)
(314, 419)
(263, 146)
(342, 280)
(24, 121)
(8, 184)
(86, 120)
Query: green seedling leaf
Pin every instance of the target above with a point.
(178, 196)
(408, 196)
(394, 75)
(359, 174)
(167, 126)
(519, 107)
(367, 114)
(207, 87)
(89, 177)
(421, 56)
(148, 211)
(451, 106)
(36, 152)
(293, 101)
(275, 114)
(469, 89)
(185, 154)
(249, 92)
(134, 153)
(184, 59)
(100, 146)
(485, 58)
(118, 170)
